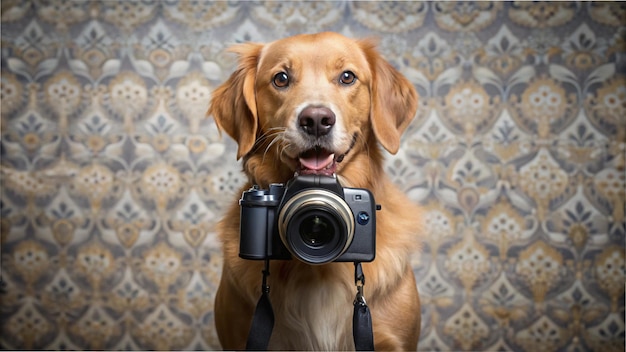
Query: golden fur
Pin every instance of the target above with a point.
(313, 303)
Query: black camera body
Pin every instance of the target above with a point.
(312, 218)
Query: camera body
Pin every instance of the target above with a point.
(312, 218)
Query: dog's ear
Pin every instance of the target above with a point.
(394, 99)
(233, 104)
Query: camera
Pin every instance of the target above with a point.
(312, 218)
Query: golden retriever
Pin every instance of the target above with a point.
(322, 104)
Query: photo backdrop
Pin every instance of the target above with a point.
(112, 178)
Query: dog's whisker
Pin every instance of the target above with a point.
(278, 136)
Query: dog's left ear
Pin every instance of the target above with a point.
(233, 104)
(394, 99)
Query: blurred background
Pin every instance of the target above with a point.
(112, 178)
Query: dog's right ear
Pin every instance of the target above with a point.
(233, 104)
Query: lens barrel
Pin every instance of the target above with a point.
(316, 226)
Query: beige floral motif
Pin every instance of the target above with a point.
(195, 235)
(227, 180)
(469, 109)
(466, 328)
(96, 328)
(582, 51)
(12, 11)
(579, 235)
(612, 184)
(439, 223)
(431, 57)
(543, 180)
(192, 97)
(95, 262)
(63, 13)
(541, 14)
(316, 15)
(201, 15)
(465, 16)
(610, 273)
(577, 310)
(607, 109)
(10, 93)
(63, 96)
(95, 182)
(127, 295)
(63, 231)
(503, 53)
(196, 144)
(128, 233)
(468, 260)
(30, 260)
(542, 335)
(503, 302)
(127, 15)
(162, 265)
(609, 13)
(31, 129)
(162, 183)
(543, 106)
(504, 226)
(194, 220)
(163, 330)
(27, 184)
(35, 48)
(129, 97)
(63, 299)
(390, 16)
(541, 267)
(27, 326)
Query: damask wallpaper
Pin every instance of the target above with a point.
(112, 178)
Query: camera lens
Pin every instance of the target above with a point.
(316, 231)
(316, 226)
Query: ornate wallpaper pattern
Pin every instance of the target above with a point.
(113, 179)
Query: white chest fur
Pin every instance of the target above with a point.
(313, 310)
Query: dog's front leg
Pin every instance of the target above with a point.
(233, 315)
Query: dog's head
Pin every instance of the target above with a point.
(310, 104)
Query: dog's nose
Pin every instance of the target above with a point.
(316, 121)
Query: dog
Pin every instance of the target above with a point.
(319, 104)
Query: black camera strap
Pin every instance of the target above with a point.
(263, 319)
(362, 318)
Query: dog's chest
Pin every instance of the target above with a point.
(312, 314)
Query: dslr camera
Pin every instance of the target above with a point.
(312, 218)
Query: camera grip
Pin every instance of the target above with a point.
(253, 236)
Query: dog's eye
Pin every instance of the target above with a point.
(281, 80)
(347, 78)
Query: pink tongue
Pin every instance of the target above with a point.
(316, 160)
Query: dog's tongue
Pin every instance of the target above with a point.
(316, 159)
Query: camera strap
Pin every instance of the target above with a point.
(362, 318)
(263, 319)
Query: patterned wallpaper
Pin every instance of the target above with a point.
(113, 179)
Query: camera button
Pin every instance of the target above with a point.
(363, 218)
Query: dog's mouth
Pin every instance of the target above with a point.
(321, 161)
(317, 161)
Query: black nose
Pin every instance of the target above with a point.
(316, 121)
